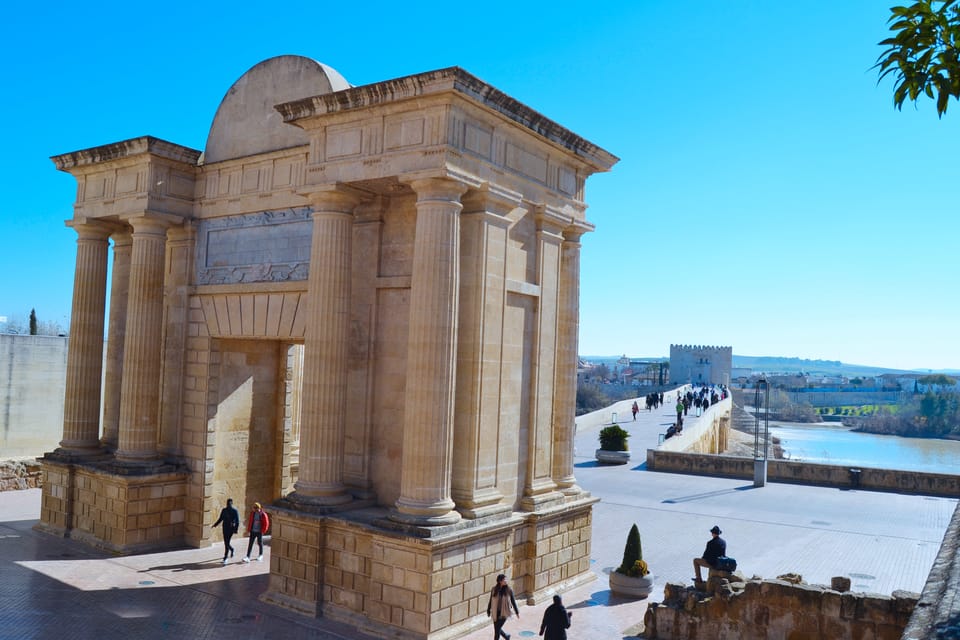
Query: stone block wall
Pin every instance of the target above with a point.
(352, 567)
(125, 514)
(770, 609)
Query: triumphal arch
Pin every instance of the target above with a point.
(359, 306)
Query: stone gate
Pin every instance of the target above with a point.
(359, 306)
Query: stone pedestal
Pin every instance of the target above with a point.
(395, 581)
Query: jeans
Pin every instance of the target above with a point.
(258, 536)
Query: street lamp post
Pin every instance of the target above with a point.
(761, 407)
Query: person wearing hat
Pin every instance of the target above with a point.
(716, 547)
(257, 524)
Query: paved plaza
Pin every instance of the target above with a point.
(64, 590)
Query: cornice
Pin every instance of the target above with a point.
(126, 149)
(445, 81)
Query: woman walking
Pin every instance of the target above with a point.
(257, 525)
(498, 608)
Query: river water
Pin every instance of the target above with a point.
(829, 443)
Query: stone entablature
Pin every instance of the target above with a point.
(335, 277)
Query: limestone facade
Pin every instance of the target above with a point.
(357, 306)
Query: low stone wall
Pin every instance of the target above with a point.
(19, 474)
(706, 434)
(761, 609)
(915, 482)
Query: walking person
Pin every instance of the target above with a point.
(498, 608)
(635, 409)
(257, 524)
(230, 518)
(556, 621)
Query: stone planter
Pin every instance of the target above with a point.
(612, 457)
(629, 587)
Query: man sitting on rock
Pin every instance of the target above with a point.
(716, 547)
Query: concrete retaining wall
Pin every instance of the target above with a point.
(33, 372)
(916, 482)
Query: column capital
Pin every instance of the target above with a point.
(91, 228)
(575, 230)
(152, 223)
(492, 201)
(438, 189)
(336, 198)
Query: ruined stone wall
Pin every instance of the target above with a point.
(20, 474)
(776, 609)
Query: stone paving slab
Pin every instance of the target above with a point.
(64, 590)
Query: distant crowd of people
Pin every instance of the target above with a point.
(701, 397)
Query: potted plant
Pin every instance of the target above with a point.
(631, 579)
(613, 445)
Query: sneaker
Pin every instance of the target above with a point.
(224, 561)
(260, 559)
(246, 559)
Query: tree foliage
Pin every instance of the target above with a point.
(633, 563)
(924, 53)
(938, 379)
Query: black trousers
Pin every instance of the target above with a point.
(259, 538)
(227, 549)
(498, 629)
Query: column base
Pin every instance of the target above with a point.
(320, 505)
(425, 514)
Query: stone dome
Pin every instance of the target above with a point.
(246, 122)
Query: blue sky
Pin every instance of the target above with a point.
(768, 196)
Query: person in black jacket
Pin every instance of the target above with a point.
(716, 547)
(230, 518)
(556, 621)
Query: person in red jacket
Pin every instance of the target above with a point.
(257, 524)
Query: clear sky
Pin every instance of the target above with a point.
(768, 197)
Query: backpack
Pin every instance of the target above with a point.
(726, 564)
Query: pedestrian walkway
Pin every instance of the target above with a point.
(64, 590)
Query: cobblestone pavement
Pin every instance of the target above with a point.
(64, 590)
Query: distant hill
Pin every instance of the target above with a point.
(777, 364)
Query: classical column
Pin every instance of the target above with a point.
(426, 465)
(116, 329)
(324, 408)
(484, 225)
(81, 407)
(565, 388)
(539, 488)
(140, 384)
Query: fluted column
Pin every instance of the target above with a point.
(324, 407)
(81, 407)
(426, 465)
(116, 329)
(140, 384)
(565, 387)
